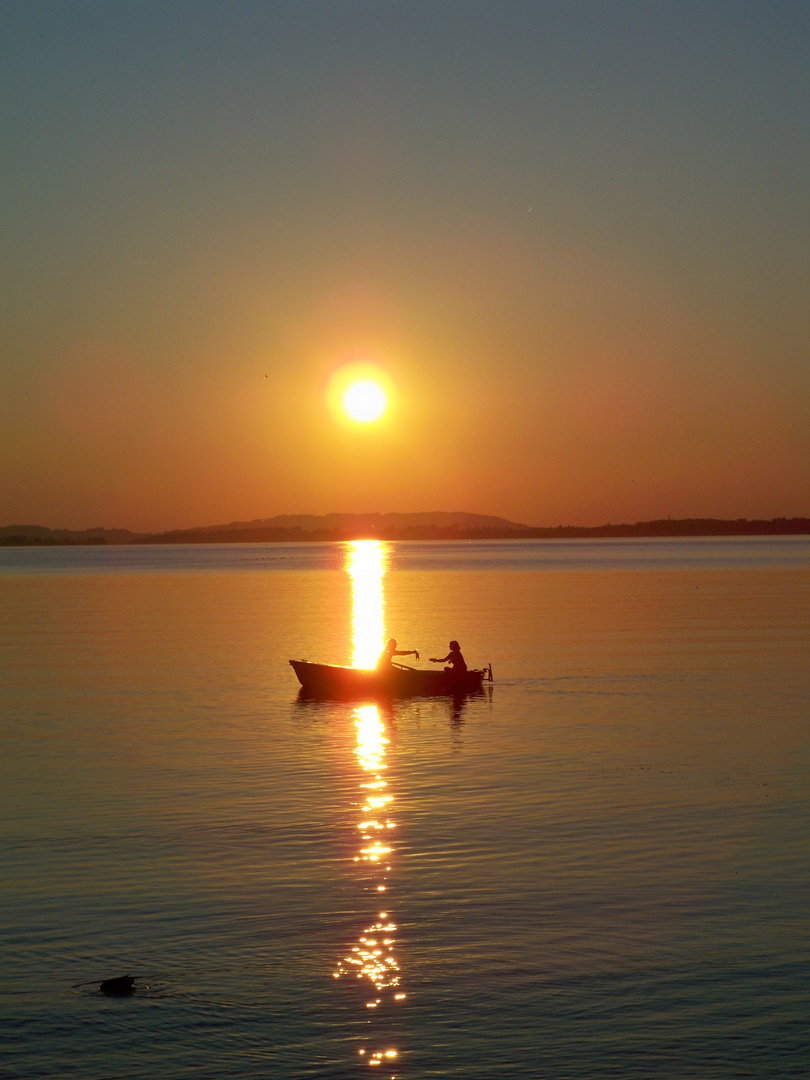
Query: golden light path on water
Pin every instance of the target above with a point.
(366, 567)
(371, 959)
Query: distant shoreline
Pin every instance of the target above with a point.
(40, 536)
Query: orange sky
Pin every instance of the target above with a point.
(574, 238)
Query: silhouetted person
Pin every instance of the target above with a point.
(458, 665)
(390, 651)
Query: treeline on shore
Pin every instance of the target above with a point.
(15, 536)
(22, 540)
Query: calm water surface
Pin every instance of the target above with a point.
(599, 869)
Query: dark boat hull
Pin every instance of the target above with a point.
(328, 681)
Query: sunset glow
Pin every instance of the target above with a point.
(584, 305)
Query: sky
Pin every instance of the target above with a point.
(572, 237)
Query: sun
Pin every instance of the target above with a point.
(360, 394)
(364, 401)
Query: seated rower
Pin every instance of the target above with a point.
(390, 651)
(458, 665)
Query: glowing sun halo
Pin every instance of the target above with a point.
(364, 401)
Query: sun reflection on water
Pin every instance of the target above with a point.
(366, 567)
(370, 961)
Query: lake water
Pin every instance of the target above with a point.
(598, 869)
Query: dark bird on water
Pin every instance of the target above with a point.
(123, 986)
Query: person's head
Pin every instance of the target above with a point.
(454, 645)
(392, 643)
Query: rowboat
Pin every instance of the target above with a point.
(329, 681)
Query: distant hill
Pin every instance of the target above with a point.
(311, 522)
(426, 526)
(438, 525)
(285, 527)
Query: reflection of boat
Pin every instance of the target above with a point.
(326, 680)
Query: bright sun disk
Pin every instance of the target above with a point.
(364, 401)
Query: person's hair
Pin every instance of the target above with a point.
(454, 645)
